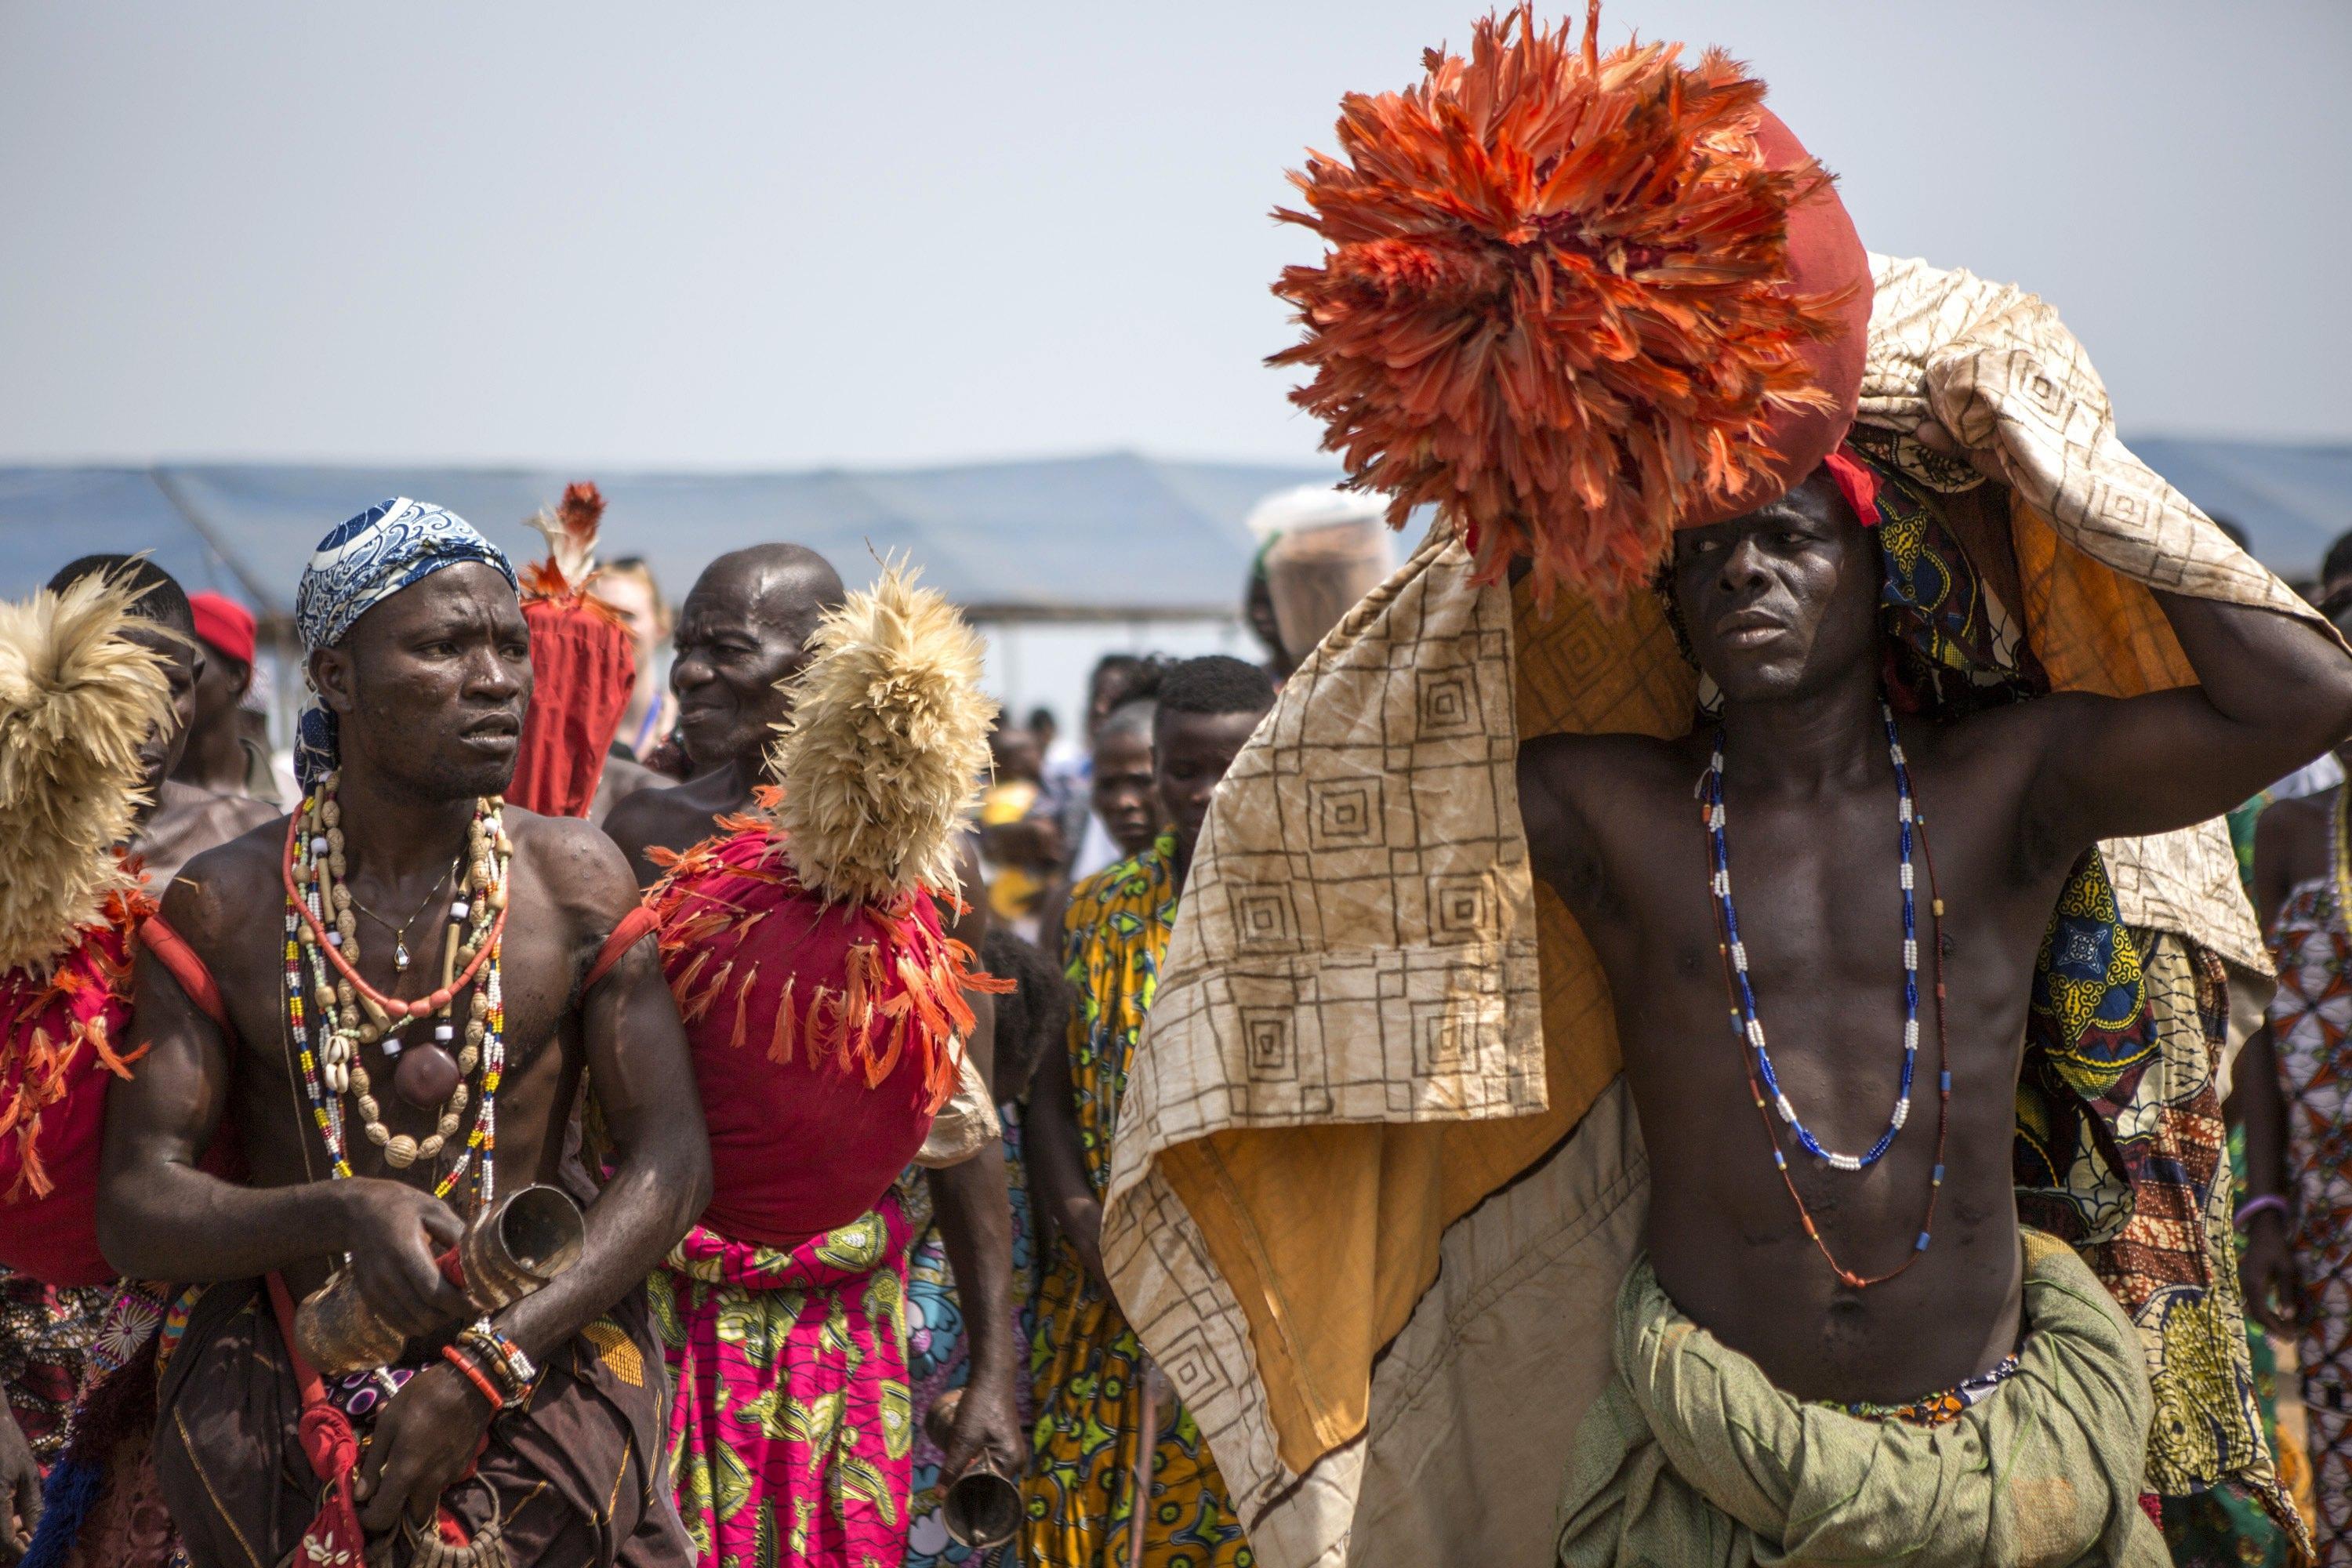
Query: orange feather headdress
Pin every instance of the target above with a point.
(1575, 301)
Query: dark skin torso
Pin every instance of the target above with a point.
(2292, 847)
(2293, 843)
(1815, 879)
(431, 685)
(676, 817)
(545, 957)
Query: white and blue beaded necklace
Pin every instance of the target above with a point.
(1745, 1021)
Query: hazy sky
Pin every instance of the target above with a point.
(779, 235)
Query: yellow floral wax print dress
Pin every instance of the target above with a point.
(1080, 1496)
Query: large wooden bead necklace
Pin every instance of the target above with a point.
(1748, 1025)
(332, 1013)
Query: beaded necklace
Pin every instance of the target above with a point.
(320, 931)
(1748, 1028)
(1746, 1022)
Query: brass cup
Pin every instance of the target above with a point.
(526, 1239)
(518, 1244)
(983, 1509)
(982, 1506)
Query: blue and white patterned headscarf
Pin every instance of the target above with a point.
(392, 546)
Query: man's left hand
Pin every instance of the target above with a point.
(426, 1439)
(984, 1421)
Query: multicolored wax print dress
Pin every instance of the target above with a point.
(1080, 1496)
(2310, 1017)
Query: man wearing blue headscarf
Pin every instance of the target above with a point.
(447, 969)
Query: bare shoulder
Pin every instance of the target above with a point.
(1585, 771)
(571, 863)
(2289, 819)
(655, 819)
(621, 780)
(2012, 740)
(1579, 795)
(2296, 831)
(214, 900)
(2008, 724)
(630, 818)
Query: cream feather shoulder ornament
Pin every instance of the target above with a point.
(76, 702)
(881, 759)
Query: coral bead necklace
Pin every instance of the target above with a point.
(322, 936)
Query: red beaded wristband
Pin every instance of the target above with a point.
(475, 1375)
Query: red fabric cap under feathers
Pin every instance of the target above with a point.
(223, 623)
(1825, 259)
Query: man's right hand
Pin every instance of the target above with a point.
(2266, 1270)
(393, 1231)
(1081, 1223)
(20, 1487)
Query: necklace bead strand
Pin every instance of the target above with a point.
(1758, 1062)
(318, 924)
(1746, 1020)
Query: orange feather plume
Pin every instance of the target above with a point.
(1556, 303)
(571, 533)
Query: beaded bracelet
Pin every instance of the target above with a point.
(475, 1375)
(502, 1358)
(2253, 1206)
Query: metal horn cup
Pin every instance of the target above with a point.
(509, 1250)
(982, 1506)
(528, 1238)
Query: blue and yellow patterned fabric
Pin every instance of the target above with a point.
(2120, 1140)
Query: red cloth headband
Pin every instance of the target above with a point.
(1857, 481)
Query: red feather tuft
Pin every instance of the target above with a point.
(1557, 301)
(570, 531)
(581, 509)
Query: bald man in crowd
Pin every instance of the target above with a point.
(740, 637)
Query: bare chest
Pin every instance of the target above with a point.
(326, 1069)
(1803, 951)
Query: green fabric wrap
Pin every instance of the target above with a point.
(1692, 1458)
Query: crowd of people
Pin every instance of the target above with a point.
(648, 1086)
(837, 1356)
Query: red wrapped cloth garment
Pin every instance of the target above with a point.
(56, 1058)
(583, 670)
(826, 1034)
(582, 665)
